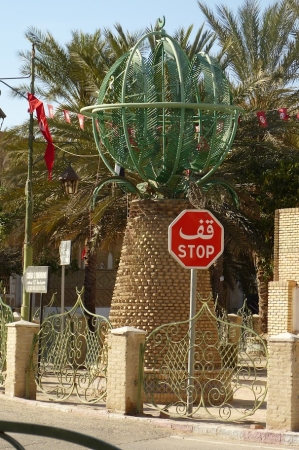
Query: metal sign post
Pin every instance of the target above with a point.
(65, 260)
(195, 240)
(193, 283)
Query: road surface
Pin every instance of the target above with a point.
(125, 433)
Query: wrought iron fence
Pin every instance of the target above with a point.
(247, 340)
(69, 355)
(50, 309)
(4, 281)
(229, 382)
(6, 316)
(223, 323)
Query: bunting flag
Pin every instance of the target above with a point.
(219, 126)
(132, 136)
(49, 157)
(38, 106)
(51, 111)
(203, 144)
(81, 121)
(262, 118)
(283, 113)
(83, 253)
(67, 116)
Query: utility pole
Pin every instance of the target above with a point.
(27, 249)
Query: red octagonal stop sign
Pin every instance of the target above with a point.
(195, 238)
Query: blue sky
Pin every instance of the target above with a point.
(60, 17)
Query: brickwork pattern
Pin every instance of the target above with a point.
(283, 380)
(19, 341)
(123, 370)
(286, 244)
(151, 288)
(280, 317)
(116, 373)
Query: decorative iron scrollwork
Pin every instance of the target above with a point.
(69, 355)
(6, 316)
(225, 372)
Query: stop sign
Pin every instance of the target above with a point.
(195, 238)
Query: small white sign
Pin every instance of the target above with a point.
(65, 253)
(35, 279)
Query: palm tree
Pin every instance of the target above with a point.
(260, 50)
(69, 77)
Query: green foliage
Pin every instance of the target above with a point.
(10, 260)
(259, 51)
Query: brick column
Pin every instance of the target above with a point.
(280, 307)
(256, 322)
(19, 343)
(283, 383)
(123, 369)
(234, 331)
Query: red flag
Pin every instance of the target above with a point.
(262, 119)
(38, 106)
(283, 113)
(83, 253)
(219, 126)
(67, 116)
(203, 144)
(132, 136)
(81, 121)
(51, 111)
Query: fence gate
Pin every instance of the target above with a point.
(6, 316)
(229, 379)
(69, 355)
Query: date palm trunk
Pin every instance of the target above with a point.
(217, 282)
(262, 286)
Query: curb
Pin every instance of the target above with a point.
(223, 430)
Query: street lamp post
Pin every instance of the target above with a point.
(27, 249)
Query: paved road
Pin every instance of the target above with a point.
(125, 433)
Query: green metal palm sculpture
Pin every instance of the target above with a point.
(164, 117)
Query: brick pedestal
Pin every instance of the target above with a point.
(283, 381)
(123, 369)
(19, 343)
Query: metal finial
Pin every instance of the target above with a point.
(161, 23)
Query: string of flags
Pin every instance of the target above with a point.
(283, 114)
(67, 116)
(261, 116)
(38, 106)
